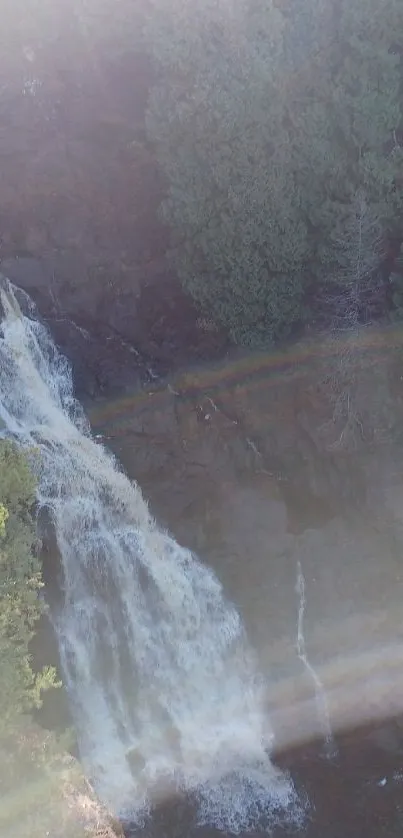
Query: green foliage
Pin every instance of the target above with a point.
(348, 124)
(396, 282)
(20, 581)
(218, 125)
(3, 520)
(267, 125)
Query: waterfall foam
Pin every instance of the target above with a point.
(163, 686)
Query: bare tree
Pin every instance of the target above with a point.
(354, 283)
(352, 289)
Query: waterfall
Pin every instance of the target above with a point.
(163, 686)
(320, 692)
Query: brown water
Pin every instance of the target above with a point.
(307, 540)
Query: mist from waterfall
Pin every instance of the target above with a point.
(163, 686)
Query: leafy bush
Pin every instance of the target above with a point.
(20, 581)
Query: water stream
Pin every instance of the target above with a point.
(165, 691)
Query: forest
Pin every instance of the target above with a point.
(278, 129)
(257, 152)
(257, 155)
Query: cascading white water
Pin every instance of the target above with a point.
(161, 680)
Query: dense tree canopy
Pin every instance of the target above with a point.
(268, 121)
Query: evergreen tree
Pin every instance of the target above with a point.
(346, 115)
(396, 286)
(267, 120)
(217, 121)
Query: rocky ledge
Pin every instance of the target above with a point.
(118, 332)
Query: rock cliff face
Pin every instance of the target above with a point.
(263, 420)
(243, 463)
(79, 226)
(118, 332)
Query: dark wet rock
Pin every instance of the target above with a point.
(116, 338)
